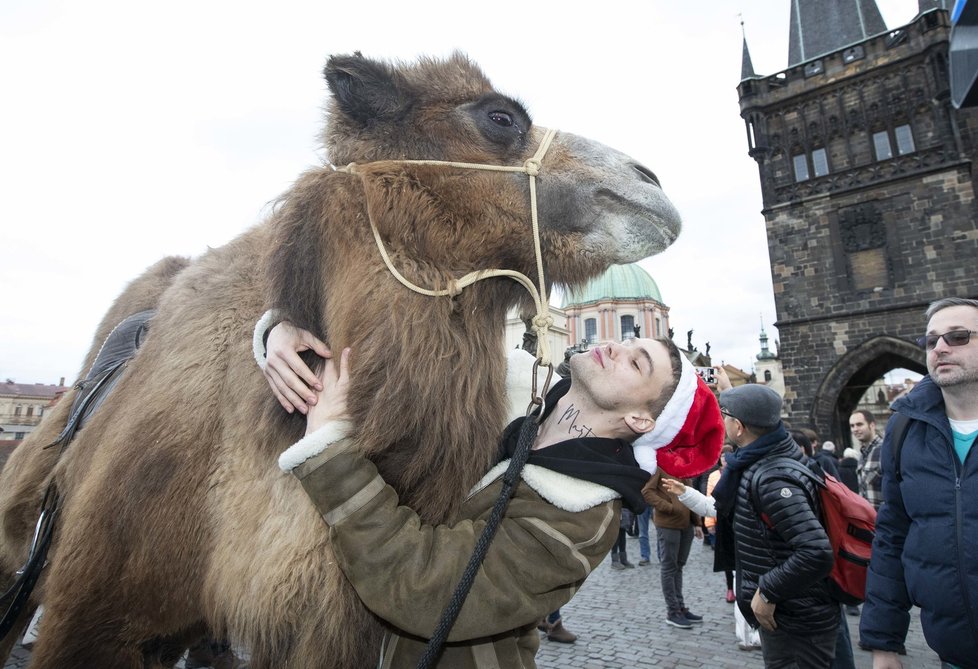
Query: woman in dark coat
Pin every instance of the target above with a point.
(847, 469)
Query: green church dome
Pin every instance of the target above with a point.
(620, 282)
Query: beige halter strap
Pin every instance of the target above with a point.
(542, 321)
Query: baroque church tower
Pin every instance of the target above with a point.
(868, 185)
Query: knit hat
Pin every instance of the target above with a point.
(688, 434)
(753, 404)
(850, 453)
(828, 446)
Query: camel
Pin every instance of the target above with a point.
(175, 519)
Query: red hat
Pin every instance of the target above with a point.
(688, 434)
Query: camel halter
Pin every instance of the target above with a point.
(542, 321)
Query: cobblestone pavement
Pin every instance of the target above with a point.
(619, 618)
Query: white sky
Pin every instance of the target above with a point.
(130, 131)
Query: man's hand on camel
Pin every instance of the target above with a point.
(332, 400)
(293, 383)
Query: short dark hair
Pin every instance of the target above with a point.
(656, 405)
(946, 302)
(867, 415)
(802, 440)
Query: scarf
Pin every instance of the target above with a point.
(725, 492)
(607, 462)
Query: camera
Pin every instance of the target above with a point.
(708, 374)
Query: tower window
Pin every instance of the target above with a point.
(881, 142)
(820, 162)
(591, 330)
(904, 139)
(801, 167)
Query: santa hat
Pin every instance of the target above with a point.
(688, 434)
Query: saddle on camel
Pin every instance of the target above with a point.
(173, 522)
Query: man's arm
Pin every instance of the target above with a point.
(405, 571)
(885, 618)
(691, 498)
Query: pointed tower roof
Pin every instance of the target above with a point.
(746, 66)
(765, 353)
(818, 28)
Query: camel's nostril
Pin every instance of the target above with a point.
(648, 174)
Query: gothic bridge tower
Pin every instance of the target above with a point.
(868, 184)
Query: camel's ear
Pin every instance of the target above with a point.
(367, 90)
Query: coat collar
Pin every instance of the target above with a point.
(564, 492)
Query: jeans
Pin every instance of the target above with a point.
(643, 533)
(790, 651)
(673, 551)
(843, 646)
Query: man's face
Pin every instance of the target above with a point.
(947, 365)
(619, 376)
(861, 430)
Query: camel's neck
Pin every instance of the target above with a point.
(427, 388)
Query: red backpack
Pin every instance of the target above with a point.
(849, 521)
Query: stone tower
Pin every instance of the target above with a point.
(868, 192)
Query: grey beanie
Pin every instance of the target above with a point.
(752, 404)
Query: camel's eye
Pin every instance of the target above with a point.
(501, 118)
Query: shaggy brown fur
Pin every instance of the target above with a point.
(176, 518)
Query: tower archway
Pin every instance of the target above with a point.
(838, 394)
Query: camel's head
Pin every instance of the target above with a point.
(597, 206)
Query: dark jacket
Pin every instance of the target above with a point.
(828, 462)
(848, 473)
(559, 525)
(790, 561)
(926, 548)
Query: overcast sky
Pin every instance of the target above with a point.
(130, 131)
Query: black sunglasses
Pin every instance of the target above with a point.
(952, 338)
(724, 412)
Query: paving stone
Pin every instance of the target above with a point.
(619, 617)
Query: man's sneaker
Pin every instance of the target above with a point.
(680, 621)
(644, 562)
(692, 617)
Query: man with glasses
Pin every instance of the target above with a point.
(926, 548)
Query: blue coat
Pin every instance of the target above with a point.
(926, 548)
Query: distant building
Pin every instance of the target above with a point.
(768, 367)
(516, 332)
(869, 197)
(613, 305)
(22, 405)
(737, 376)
